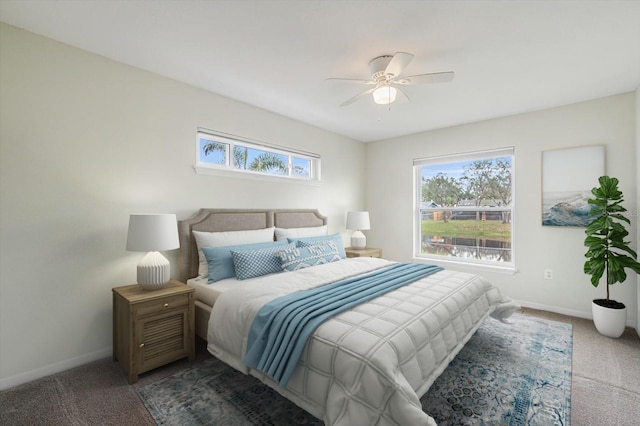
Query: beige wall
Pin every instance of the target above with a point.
(609, 121)
(86, 141)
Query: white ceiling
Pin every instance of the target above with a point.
(509, 56)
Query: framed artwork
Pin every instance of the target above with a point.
(568, 175)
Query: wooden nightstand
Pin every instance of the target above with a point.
(365, 252)
(152, 328)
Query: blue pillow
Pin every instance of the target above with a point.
(305, 257)
(310, 241)
(258, 262)
(220, 259)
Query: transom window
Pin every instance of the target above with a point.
(219, 152)
(464, 208)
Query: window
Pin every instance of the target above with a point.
(464, 208)
(224, 153)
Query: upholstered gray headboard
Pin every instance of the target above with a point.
(222, 220)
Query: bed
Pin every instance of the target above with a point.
(368, 364)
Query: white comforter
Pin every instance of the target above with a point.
(368, 365)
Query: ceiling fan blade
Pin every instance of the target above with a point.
(401, 96)
(358, 96)
(435, 77)
(398, 63)
(351, 80)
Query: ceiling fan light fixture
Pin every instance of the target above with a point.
(384, 95)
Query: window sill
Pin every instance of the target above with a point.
(471, 267)
(255, 176)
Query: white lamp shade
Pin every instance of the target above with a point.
(385, 95)
(358, 221)
(152, 232)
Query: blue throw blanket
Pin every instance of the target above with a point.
(280, 330)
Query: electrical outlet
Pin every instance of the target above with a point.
(548, 274)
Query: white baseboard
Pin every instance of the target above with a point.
(54, 368)
(565, 311)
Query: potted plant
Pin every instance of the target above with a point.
(608, 254)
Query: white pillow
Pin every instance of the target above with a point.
(315, 231)
(229, 238)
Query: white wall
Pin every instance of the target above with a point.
(86, 141)
(609, 121)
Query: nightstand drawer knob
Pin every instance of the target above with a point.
(142, 345)
(166, 305)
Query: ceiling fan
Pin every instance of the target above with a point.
(385, 79)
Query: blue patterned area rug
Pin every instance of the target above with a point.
(516, 373)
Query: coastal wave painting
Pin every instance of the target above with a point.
(566, 208)
(567, 178)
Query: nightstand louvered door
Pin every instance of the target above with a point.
(161, 332)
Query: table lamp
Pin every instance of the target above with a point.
(358, 221)
(153, 233)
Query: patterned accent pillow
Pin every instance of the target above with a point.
(312, 241)
(258, 262)
(305, 257)
(220, 259)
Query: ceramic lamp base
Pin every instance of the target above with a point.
(153, 271)
(358, 240)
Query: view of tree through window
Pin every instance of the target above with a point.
(225, 153)
(465, 207)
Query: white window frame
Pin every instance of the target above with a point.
(466, 263)
(228, 169)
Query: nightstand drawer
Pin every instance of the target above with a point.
(155, 307)
(363, 252)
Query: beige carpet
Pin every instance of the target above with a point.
(606, 377)
(605, 386)
(94, 394)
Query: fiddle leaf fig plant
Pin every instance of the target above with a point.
(608, 253)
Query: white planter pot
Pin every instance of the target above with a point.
(609, 322)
